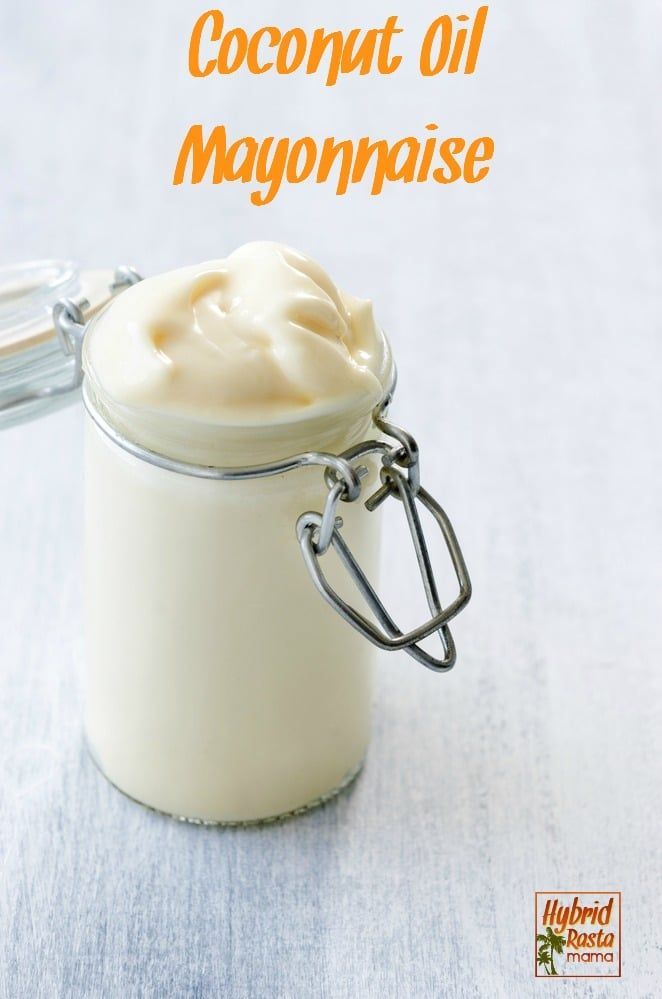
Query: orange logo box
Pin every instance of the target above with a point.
(578, 934)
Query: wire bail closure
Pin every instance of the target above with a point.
(70, 324)
(318, 532)
(400, 478)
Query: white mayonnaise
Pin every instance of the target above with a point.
(260, 339)
(220, 686)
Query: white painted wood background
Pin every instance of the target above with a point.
(526, 318)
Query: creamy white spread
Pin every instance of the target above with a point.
(219, 685)
(262, 336)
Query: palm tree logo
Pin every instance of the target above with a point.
(550, 944)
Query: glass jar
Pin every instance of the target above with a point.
(219, 686)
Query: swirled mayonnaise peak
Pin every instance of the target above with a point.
(262, 338)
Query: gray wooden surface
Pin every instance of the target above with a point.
(526, 318)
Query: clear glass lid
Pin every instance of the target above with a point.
(28, 292)
(31, 357)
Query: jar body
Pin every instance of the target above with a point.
(219, 684)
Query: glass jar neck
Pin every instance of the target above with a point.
(197, 442)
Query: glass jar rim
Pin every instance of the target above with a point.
(271, 462)
(232, 443)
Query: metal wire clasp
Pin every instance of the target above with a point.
(69, 323)
(400, 478)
